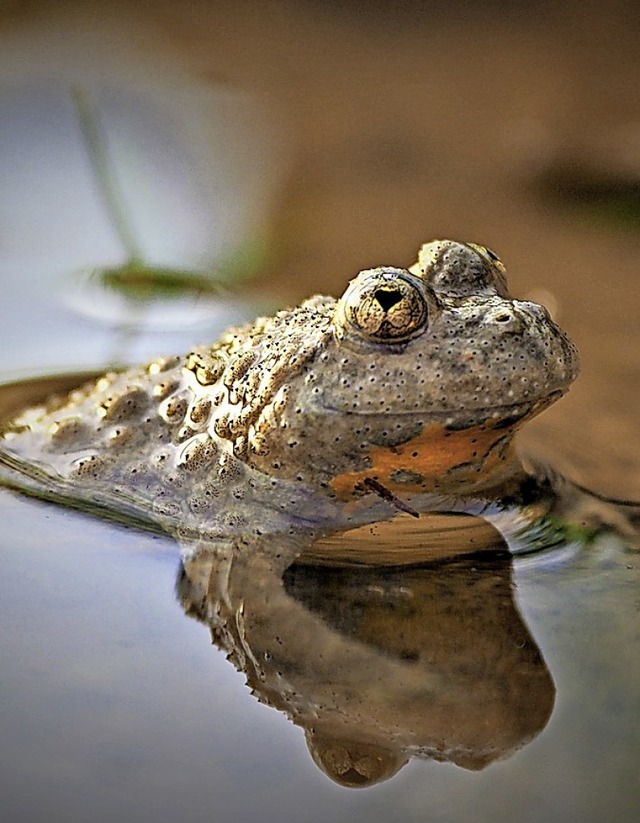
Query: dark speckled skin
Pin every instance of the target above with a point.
(411, 383)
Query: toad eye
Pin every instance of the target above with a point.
(488, 253)
(385, 305)
(460, 270)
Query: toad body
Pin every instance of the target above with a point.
(409, 386)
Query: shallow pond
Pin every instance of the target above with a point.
(117, 706)
(484, 688)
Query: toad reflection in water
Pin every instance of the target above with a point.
(380, 665)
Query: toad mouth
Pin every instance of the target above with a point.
(502, 414)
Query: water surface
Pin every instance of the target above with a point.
(117, 706)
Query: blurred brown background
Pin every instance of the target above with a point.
(514, 126)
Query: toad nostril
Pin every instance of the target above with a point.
(387, 298)
(510, 320)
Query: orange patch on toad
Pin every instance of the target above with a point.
(476, 454)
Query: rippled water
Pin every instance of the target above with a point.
(477, 688)
(116, 705)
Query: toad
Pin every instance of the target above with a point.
(404, 393)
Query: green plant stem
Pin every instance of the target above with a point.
(95, 145)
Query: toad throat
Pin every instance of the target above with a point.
(438, 460)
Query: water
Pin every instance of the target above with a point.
(115, 705)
